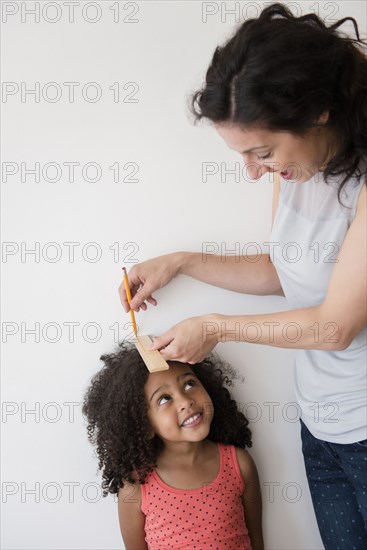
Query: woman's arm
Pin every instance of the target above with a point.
(190, 341)
(247, 274)
(251, 499)
(330, 326)
(131, 517)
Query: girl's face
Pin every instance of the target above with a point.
(179, 408)
(296, 158)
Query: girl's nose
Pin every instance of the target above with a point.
(186, 402)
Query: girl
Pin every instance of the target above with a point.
(171, 444)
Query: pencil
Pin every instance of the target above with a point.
(128, 294)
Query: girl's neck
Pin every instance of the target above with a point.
(188, 466)
(187, 453)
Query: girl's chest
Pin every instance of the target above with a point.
(181, 476)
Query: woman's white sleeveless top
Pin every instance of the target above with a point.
(309, 228)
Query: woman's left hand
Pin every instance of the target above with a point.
(189, 341)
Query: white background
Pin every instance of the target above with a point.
(50, 483)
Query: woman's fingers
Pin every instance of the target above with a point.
(184, 342)
(161, 342)
(142, 294)
(138, 302)
(123, 297)
(146, 278)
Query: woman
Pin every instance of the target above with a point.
(290, 95)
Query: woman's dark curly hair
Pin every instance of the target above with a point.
(115, 408)
(281, 72)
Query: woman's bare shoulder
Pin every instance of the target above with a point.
(362, 196)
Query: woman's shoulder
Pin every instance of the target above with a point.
(363, 195)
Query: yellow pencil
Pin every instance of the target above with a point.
(128, 294)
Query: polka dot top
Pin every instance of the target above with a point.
(209, 517)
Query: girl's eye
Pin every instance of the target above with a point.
(265, 157)
(163, 399)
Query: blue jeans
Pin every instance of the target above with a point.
(337, 477)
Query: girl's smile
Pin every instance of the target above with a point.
(179, 408)
(192, 421)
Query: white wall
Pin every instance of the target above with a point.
(50, 485)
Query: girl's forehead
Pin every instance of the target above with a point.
(165, 377)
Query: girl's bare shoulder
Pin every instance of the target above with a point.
(247, 465)
(130, 493)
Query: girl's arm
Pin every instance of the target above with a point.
(131, 517)
(251, 499)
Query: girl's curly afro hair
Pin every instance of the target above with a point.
(116, 410)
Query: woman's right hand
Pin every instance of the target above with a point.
(147, 277)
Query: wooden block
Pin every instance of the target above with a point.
(153, 359)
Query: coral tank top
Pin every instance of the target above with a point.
(209, 517)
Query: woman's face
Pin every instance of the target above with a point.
(295, 158)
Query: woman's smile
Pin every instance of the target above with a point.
(287, 175)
